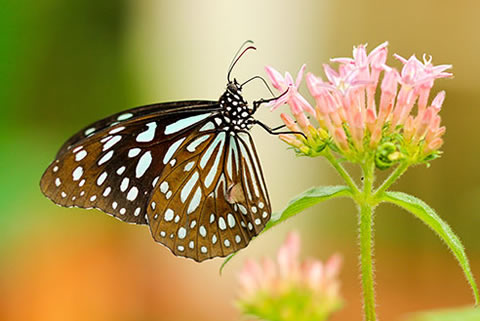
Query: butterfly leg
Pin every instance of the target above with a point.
(273, 131)
(257, 103)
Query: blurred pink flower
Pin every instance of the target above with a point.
(272, 285)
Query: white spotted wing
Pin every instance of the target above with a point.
(212, 199)
(115, 165)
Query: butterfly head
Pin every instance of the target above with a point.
(232, 97)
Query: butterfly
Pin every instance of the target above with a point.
(187, 169)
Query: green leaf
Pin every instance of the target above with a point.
(460, 314)
(305, 200)
(428, 216)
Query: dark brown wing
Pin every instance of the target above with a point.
(133, 113)
(213, 201)
(116, 168)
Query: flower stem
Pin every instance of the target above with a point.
(341, 170)
(366, 248)
(391, 179)
(366, 241)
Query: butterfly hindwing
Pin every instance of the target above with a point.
(116, 168)
(213, 201)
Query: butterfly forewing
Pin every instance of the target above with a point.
(207, 204)
(142, 111)
(116, 168)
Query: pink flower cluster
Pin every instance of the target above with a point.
(288, 272)
(347, 110)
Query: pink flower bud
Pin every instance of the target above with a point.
(433, 146)
(289, 122)
(341, 139)
(378, 56)
(332, 267)
(288, 255)
(438, 100)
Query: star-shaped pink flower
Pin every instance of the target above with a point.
(292, 97)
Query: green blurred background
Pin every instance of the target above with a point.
(64, 64)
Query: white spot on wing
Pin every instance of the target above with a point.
(112, 142)
(105, 158)
(195, 201)
(221, 224)
(132, 194)
(171, 150)
(193, 145)
(184, 123)
(206, 156)
(231, 220)
(116, 130)
(203, 231)
(77, 173)
(124, 116)
(164, 187)
(101, 179)
(143, 164)
(124, 184)
(207, 126)
(134, 152)
(189, 166)
(188, 187)
(168, 215)
(213, 171)
(89, 131)
(80, 155)
(149, 134)
(182, 232)
(107, 191)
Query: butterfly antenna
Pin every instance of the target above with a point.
(238, 51)
(262, 79)
(238, 56)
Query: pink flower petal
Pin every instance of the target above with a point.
(276, 78)
(438, 100)
(288, 255)
(300, 75)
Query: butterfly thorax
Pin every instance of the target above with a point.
(234, 109)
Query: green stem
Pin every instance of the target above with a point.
(366, 248)
(343, 173)
(391, 179)
(366, 240)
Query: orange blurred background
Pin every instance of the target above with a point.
(67, 63)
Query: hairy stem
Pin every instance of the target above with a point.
(391, 179)
(366, 242)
